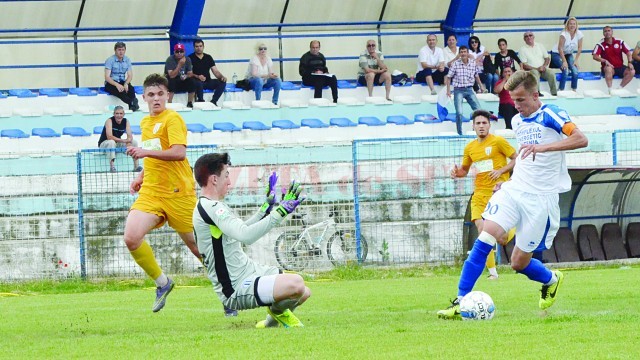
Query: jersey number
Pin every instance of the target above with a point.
(491, 209)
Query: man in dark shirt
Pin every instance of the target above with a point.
(179, 71)
(202, 63)
(111, 137)
(314, 72)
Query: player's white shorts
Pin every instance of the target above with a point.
(254, 291)
(535, 217)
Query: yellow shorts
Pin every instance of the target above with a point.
(511, 234)
(178, 211)
(478, 203)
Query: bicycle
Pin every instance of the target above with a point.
(296, 251)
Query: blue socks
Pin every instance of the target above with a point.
(473, 267)
(537, 272)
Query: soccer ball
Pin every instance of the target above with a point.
(477, 305)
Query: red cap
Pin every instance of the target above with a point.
(178, 46)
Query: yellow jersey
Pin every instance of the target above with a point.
(490, 154)
(165, 178)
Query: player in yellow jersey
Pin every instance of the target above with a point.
(489, 153)
(166, 184)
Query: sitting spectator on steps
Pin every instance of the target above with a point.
(260, 74)
(450, 52)
(118, 74)
(609, 54)
(431, 64)
(536, 59)
(314, 72)
(373, 70)
(111, 137)
(505, 57)
(565, 54)
(482, 57)
(179, 70)
(202, 64)
(636, 57)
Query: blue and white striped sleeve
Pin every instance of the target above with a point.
(555, 118)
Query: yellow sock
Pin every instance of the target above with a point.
(491, 259)
(147, 261)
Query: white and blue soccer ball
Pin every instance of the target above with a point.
(477, 305)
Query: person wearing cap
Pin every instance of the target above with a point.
(118, 74)
(179, 70)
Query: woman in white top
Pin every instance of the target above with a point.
(562, 56)
(261, 75)
(451, 50)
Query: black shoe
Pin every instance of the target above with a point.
(200, 100)
(214, 103)
(134, 105)
(190, 104)
(540, 94)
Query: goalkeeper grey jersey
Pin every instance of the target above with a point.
(220, 234)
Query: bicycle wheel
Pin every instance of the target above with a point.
(291, 254)
(341, 247)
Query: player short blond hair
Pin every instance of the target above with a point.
(522, 78)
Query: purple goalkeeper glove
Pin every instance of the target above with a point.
(270, 190)
(290, 199)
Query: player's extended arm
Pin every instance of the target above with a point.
(237, 229)
(575, 140)
(269, 201)
(459, 171)
(136, 183)
(507, 168)
(174, 153)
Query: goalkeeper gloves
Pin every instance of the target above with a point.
(270, 191)
(290, 199)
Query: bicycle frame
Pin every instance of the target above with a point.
(315, 241)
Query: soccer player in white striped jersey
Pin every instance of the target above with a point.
(529, 200)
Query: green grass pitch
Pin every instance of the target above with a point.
(353, 314)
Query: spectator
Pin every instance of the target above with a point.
(431, 65)
(463, 74)
(179, 70)
(536, 59)
(636, 57)
(482, 57)
(451, 52)
(202, 63)
(314, 72)
(111, 137)
(373, 70)
(506, 107)
(505, 58)
(562, 55)
(118, 74)
(260, 74)
(609, 53)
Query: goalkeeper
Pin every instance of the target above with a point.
(239, 282)
(489, 153)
